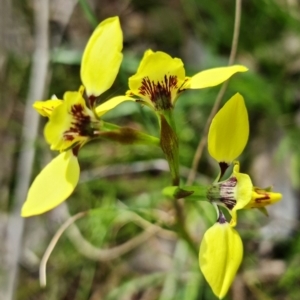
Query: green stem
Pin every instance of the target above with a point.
(126, 135)
(170, 147)
(182, 230)
(169, 144)
(89, 13)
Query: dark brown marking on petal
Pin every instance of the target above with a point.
(229, 203)
(180, 90)
(91, 101)
(221, 219)
(160, 93)
(46, 108)
(265, 196)
(81, 124)
(227, 196)
(224, 192)
(223, 167)
(75, 150)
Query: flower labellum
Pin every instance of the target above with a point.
(263, 197)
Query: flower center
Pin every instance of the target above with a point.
(224, 192)
(81, 124)
(160, 93)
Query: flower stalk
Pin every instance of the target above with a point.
(169, 144)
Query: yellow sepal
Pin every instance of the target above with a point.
(102, 57)
(53, 185)
(229, 131)
(220, 256)
(242, 192)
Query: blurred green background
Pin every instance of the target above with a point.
(123, 183)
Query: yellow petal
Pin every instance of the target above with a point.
(157, 68)
(111, 103)
(53, 185)
(102, 57)
(220, 256)
(148, 53)
(242, 193)
(213, 77)
(45, 108)
(229, 131)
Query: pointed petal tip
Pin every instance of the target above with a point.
(242, 68)
(276, 197)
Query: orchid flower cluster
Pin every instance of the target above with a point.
(158, 83)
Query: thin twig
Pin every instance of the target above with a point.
(181, 226)
(202, 142)
(37, 84)
(94, 253)
(87, 249)
(138, 220)
(52, 244)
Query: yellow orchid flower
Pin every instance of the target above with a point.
(227, 138)
(68, 120)
(238, 192)
(221, 250)
(160, 79)
(73, 122)
(220, 256)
